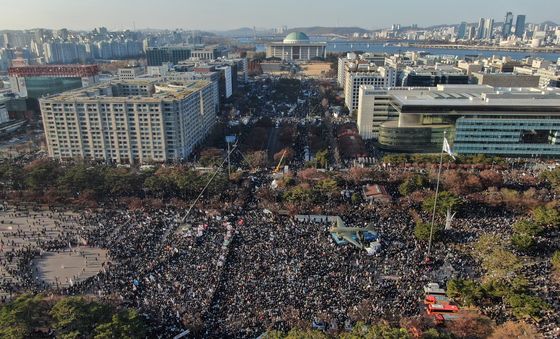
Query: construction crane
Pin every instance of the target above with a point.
(279, 166)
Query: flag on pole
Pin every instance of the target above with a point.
(449, 219)
(447, 148)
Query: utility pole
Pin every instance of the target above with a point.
(435, 199)
(228, 160)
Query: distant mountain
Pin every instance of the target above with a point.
(243, 31)
(318, 30)
(323, 30)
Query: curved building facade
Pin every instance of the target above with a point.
(417, 139)
(478, 119)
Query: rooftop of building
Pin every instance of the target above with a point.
(173, 47)
(363, 67)
(152, 90)
(504, 75)
(53, 70)
(433, 70)
(296, 37)
(465, 96)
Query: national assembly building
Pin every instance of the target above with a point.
(296, 47)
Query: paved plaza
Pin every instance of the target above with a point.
(25, 230)
(67, 268)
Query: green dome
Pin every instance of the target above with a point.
(296, 37)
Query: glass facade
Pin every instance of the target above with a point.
(508, 136)
(39, 86)
(419, 139)
(157, 56)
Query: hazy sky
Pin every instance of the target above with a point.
(228, 14)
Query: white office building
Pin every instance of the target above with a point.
(135, 121)
(130, 73)
(365, 74)
(374, 108)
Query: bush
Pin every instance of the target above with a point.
(526, 306)
(298, 194)
(356, 198)
(523, 242)
(422, 231)
(553, 177)
(445, 201)
(465, 292)
(555, 260)
(499, 263)
(546, 216)
(412, 184)
(527, 227)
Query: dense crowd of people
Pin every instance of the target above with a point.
(237, 272)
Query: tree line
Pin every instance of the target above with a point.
(52, 182)
(38, 316)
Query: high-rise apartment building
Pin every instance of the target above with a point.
(520, 26)
(489, 29)
(137, 121)
(480, 29)
(485, 29)
(462, 31)
(64, 52)
(472, 33)
(506, 27)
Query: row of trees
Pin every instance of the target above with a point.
(321, 191)
(458, 182)
(480, 159)
(469, 325)
(360, 330)
(52, 182)
(35, 316)
(485, 187)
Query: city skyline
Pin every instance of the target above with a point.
(222, 15)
